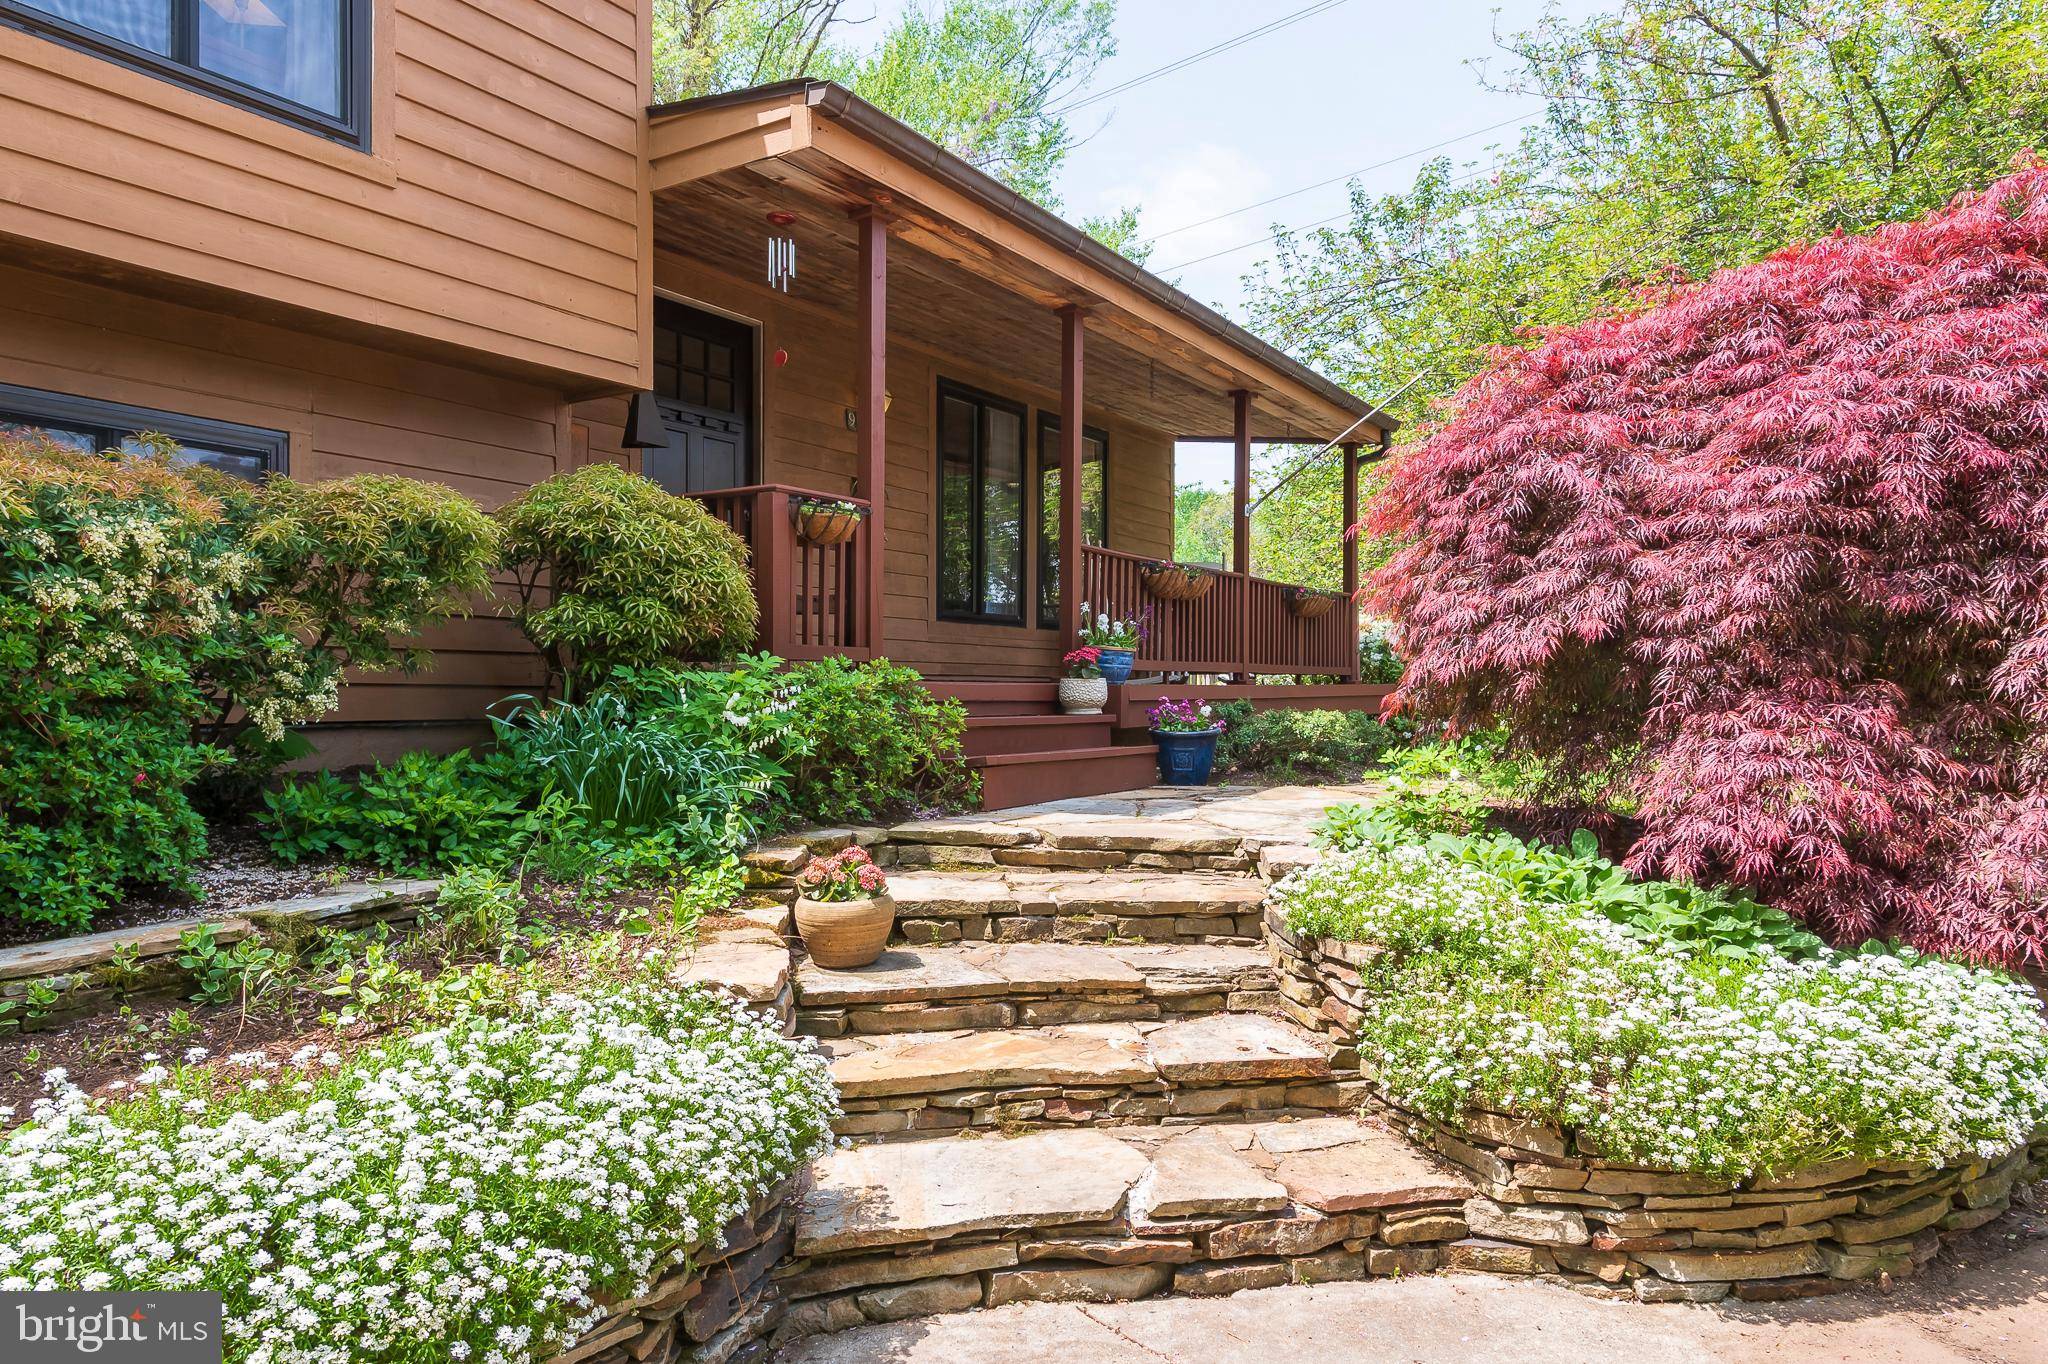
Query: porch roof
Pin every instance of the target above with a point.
(719, 164)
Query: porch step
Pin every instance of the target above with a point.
(918, 1084)
(992, 985)
(1010, 780)
(984, 697)
(990, 735)
(1018, 905)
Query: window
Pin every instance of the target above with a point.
(981, 507)
(89, 425)
(303, 61)
(1094, 506)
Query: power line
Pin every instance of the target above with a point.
(1337, 179)
(1322, 6)
(1301, 227)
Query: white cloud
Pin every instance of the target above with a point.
(1184, 186)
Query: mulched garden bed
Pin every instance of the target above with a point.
(238, 871)
(98, 1050)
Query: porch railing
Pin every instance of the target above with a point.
(811, 596)
(1242, 624)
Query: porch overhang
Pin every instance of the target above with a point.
(718, 165)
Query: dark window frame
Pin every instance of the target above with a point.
(981, 399)
(1047, 461)
(107, 420)
(351, 128)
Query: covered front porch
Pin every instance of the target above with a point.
(922, 292)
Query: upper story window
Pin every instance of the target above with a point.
(90, 425)
(303, 61)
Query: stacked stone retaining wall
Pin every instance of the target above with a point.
(1547, 1202)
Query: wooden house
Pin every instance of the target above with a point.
(454, 240)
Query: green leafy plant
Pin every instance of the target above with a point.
(614, 571)
(1722, 923)
(421, 812)
(875, 743)
(242, 972)
(477, 910)
(1290, 741)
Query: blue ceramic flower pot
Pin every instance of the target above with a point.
(1186, 757)
(1116, 664)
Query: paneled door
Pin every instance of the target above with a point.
(704, 384)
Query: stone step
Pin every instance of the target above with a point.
(905, 1085)
(910, 1229)
(1007, 985)
(1067, 905)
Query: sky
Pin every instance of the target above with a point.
(1349, 87)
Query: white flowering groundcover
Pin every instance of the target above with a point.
(463, 1193)
(1663, 1057)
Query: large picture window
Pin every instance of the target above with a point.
(303, 61)
(89, 425)
(1094, 506)
(981, 507)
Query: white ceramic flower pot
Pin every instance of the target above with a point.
(1084, 695)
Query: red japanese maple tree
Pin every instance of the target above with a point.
(1780, 541)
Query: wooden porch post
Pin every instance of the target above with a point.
(1072, 427)
(1241, 527)
(1351, 546)
(872, 403)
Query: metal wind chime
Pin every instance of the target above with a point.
(781, 252)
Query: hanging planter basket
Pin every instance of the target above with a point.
(1177, 582)
(827, 523)
(1309, 605)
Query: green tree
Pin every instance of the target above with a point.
(1119, 232)
(1677, 137)
(1201, 525)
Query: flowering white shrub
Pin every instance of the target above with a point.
(461, 1194)
(1661, 1055)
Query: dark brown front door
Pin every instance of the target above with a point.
(704, 383)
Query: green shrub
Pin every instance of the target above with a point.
(876, 744)
(422, 812)
(577, 1147)
(613, 571)
(1308, 741)
(1486, 996)
(114, 580)
(161, 626)
(1377, 661)
(346, 574)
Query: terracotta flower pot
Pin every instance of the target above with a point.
(1084, 695)
(824, 526)
(843, 933)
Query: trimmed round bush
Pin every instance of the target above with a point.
(615, 571)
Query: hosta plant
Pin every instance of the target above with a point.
(1778, 540)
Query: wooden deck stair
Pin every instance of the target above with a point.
(1027, 751)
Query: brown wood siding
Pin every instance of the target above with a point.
(804, 441)
(500, 208)
(349, 409)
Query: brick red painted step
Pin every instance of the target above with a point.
(988, 735)
(983, 697)
(1012, 779)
